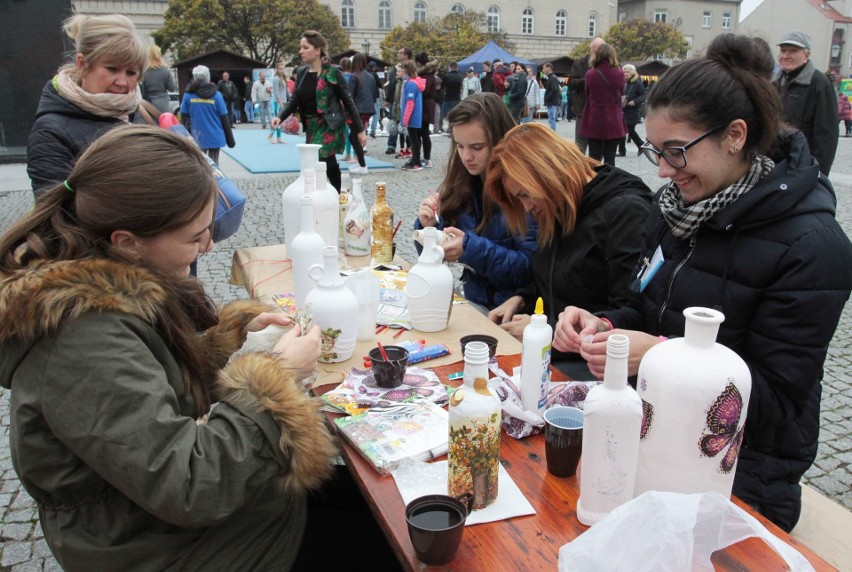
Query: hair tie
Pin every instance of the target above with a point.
(67, 186)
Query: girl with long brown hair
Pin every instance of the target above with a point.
(496, 261)
(113, 356)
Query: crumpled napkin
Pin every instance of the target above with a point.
(519, 422)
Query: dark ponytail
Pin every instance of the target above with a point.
(730, 82)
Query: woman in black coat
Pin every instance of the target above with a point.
(634, 99)
(98, 91)
(321, 95)
(754, 238)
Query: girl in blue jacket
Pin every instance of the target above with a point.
(496, 262)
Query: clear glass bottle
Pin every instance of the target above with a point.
(381, 215)
(473, 460)
(612, 420)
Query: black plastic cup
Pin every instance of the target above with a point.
(389, 373)
(489, 341)
(436, 526)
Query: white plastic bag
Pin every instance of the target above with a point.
(668, 531)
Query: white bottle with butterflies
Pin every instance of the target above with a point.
(695, 396)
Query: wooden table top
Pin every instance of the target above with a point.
(530, 542)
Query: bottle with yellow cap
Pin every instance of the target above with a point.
(535, 360)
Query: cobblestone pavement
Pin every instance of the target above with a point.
(22, 547)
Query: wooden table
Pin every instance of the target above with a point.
(522, 543)
(530, 542)
(265, 271)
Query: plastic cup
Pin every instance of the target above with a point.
(365, 285)
(563, 440)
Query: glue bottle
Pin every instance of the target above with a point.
(535, 360)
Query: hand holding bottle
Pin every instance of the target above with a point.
(453, 244)
(300, 352)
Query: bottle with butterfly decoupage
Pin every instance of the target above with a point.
(695, 395)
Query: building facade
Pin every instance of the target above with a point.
(538, 28)
(827, 23)
(698, 20)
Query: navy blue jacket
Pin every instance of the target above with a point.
(496, 263)
(779, 267)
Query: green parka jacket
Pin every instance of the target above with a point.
(104, 435)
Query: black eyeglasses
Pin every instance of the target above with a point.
(675, 156)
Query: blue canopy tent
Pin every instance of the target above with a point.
(488, 53)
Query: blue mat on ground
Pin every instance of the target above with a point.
(255, 153)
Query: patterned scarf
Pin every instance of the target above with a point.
(115, 105)
(685, 220)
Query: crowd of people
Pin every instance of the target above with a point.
(115, 355)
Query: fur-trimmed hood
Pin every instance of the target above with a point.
(36, 301)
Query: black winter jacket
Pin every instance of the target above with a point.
(552, 91)
(634, 91)
(452, 86)
(577, 85)
(779, 267)
(60, 134)
(592, 267)
(810, 104)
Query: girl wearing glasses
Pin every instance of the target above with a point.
(752, 237)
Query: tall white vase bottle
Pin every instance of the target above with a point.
(695, 396)
(308, 156)
(429, 287)
(306, 251)
(473, 457)
(334, 309)
(326, 207)
(612, 420)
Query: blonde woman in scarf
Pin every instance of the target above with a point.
(96, 92)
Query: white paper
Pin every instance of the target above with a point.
(417, 479)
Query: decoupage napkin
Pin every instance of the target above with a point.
(415, 479)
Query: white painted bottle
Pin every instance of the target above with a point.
(535, 360)
(326, 207)
(307, 248)
(612, 421)
(308, 155)
(356, 225)
(429, 288)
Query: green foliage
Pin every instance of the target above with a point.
(580, 50)
(265, 30)
(636, 40)
(451, 38)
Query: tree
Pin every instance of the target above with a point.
(451, 38)
(265, 30)
(636, 40)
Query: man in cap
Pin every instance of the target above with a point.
(808, 98)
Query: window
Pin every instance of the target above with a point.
(622, 16)
(561, 19)
(384, 15)
(726, 20)
(706, 19)
(347, 14)
(593, 26)
(493, 19)
(420, 12)
(527, 21)
(457, 9)
(660, 16)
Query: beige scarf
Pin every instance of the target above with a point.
(101, 104)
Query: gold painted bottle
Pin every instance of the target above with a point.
(381, 248)
(473, 462)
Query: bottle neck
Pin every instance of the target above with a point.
(615, 373)
(307, 217)
(380, 195)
